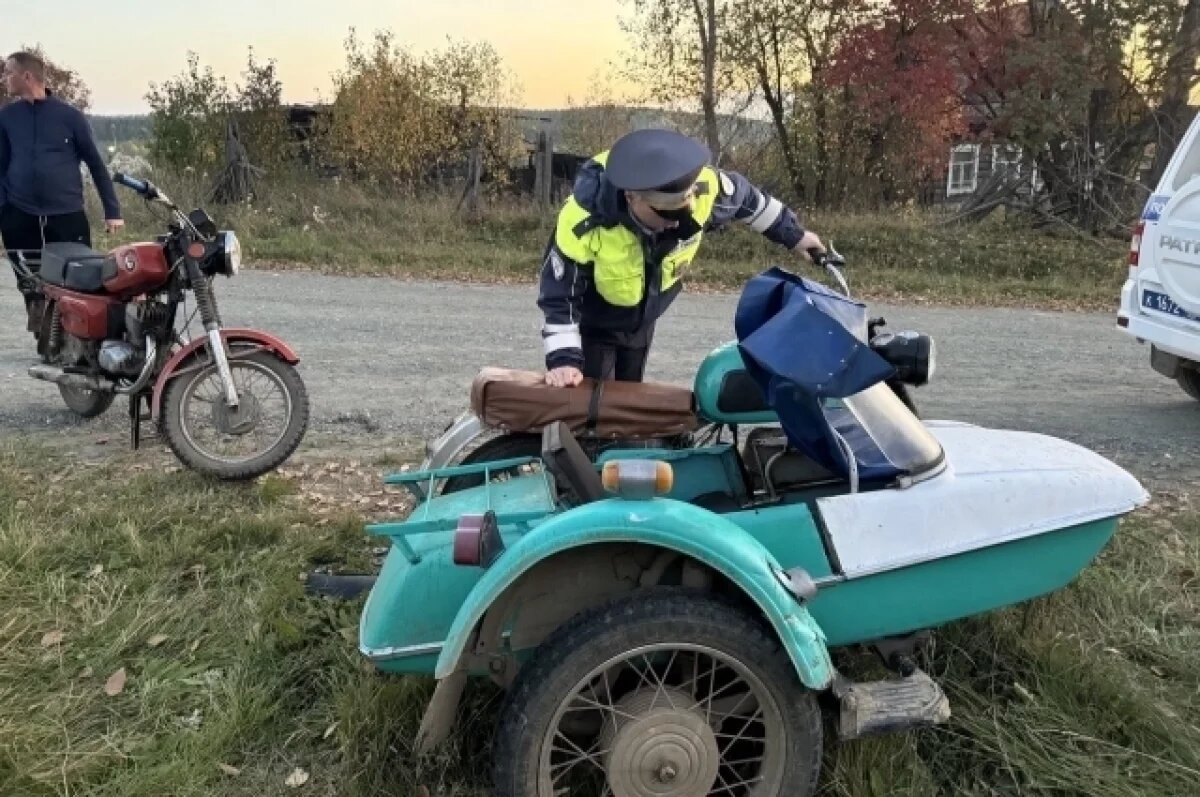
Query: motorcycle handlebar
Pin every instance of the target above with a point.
(143, 187)
(826, 258)
(832, 262)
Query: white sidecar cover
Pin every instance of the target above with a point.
(998, 486)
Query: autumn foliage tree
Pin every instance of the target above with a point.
(187, 117)
(190, 114)
(402, 117)
(899, 93)
(1086, 90)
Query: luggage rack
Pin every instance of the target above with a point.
(421, 483)
(433, 515)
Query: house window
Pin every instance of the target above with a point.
(964, 170)
(1006, 158)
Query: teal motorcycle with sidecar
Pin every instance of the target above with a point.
(662, 618)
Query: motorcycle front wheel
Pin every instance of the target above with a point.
(242, 442)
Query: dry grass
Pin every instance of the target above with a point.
(347, 228)
(234, 679)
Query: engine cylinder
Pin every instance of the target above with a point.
(119, 357)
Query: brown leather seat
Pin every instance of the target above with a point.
(521, 401)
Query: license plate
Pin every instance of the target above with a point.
(1162, 303)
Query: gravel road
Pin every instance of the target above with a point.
(392, 359)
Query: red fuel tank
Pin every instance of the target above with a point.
(140, 268)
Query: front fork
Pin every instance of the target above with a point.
(217, 347)
(211, 319)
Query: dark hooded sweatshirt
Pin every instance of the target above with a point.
(41, 146)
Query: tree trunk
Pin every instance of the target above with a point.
(706, 25)
(779, 120)
(820, 139)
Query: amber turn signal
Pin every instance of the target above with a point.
(637, 479)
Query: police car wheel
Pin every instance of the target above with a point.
(1189, 380)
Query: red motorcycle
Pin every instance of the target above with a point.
(229, 403)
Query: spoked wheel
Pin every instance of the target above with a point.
(241, 442)
(674, 695)
(86, 403)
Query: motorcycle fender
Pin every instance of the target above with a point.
(675, 525)
(445, 450)
(180, 359)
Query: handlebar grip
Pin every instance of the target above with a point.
(140, 186)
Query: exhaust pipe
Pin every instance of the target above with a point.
(346, 587)
(52, 373)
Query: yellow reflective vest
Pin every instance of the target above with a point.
(616, 254)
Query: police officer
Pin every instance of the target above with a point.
(623, 240)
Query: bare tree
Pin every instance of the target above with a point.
(679, 57)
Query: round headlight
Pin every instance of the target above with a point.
(910, 353)
(233, 253)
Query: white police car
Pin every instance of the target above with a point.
(1160, 302)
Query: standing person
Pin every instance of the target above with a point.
(624, 238)
(43, 141)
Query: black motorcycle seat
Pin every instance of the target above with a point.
(739, 393)
(76, 267)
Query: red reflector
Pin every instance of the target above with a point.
(1135, 244)
(477, 540)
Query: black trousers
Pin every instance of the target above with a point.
(615, 355)
(25, 231)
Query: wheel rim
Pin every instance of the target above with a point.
(665, 720)
(228, 435)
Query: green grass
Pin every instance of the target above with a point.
(1094, 691)
(345, 228)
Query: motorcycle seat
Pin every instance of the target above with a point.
(739, 393)
(76, 267)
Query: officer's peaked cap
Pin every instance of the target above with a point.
(655, 160)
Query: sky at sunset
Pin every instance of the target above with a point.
(554, 47)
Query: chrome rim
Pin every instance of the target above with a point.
(665, 720)
(232, 436)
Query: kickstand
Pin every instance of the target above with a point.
(135, 422)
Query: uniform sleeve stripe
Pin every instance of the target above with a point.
(762, 221)
(562, 340)
(760, 204)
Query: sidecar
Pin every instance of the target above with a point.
(664, 620)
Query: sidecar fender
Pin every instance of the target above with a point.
(668, 524)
